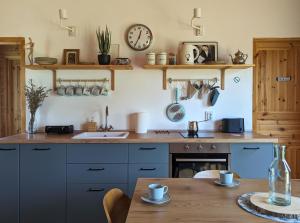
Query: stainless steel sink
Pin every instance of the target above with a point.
(101, 135)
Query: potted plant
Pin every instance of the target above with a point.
(35, 97)
(104, 42)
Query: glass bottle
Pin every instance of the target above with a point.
(279, 178)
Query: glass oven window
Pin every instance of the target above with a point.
(187, 165)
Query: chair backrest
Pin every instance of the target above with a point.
(212, 174)
(116, 205)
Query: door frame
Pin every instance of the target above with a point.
(21, 42)
(256, 42)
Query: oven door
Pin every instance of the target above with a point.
(187, 165)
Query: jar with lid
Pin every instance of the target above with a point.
(162, 58)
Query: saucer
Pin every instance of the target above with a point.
(146, 197)
(235, 183)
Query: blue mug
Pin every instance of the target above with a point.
(157, 191)
(226, 177)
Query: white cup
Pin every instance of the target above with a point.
(151, 58)
(157, 191)
(226, 177)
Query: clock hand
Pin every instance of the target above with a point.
(138, 38)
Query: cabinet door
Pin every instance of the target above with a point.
(85, 202)
(251, 160)
(43, 183)
(9, 186)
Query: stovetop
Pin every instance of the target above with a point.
(198, 135)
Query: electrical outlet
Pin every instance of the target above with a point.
(208, 115)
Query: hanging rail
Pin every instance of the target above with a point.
(170, 80)
(83, 80)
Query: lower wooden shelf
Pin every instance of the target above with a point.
(221, 67)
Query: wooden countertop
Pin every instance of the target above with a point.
(197, 200)
(151, 137)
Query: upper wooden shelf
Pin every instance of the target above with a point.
(79, 67)
(55, 67)
(200, 66)
(221, 67)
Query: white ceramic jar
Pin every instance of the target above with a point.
(162, 58)
(151, 58)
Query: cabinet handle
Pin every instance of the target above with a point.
(41, 149)
(251, 148)
(147, 148)
(96, 169)
(147, 169)
(95, 190)
(7, 149)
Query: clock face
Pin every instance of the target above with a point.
(139, 37)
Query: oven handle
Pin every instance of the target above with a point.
(201, 160)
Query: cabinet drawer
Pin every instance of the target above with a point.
(97, 153)
(251, 160)
(85, 202)
(148, 153)
(97, 173)
(147, 171)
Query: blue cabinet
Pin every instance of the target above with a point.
(251, 160)
(148, 153)
(147, 161)
(97, 153)
(93, 169)
(9, 186)
(85, 202)
(42, 183)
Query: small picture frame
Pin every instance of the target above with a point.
(208, 52)
(71, 56)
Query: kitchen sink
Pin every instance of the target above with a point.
(101, 135)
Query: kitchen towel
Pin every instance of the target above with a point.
(141, 122)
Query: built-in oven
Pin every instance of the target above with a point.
(188, 159)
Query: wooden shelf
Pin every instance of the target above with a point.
(55, 67)
(221, 67)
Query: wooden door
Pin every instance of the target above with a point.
(276, 98)
(12, 80)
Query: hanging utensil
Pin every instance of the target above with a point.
(175, 111)
(191, 91)
(214, 94)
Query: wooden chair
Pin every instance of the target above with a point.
(116, 205)
(212, 174)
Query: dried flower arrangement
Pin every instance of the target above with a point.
(35, 97)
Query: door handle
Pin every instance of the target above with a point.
(96, 169)
(251, 148)
(7, 149)
(147, 148)
(95, 190)
(41, 149)
(147, 169)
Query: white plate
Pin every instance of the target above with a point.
(235, 183)
(145, 197)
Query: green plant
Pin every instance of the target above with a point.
(104, 40)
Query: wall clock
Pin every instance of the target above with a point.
(139, 37)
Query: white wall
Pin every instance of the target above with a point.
(233, 23)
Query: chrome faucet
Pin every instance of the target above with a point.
(106, 128)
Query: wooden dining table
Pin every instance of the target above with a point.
(197, 200)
